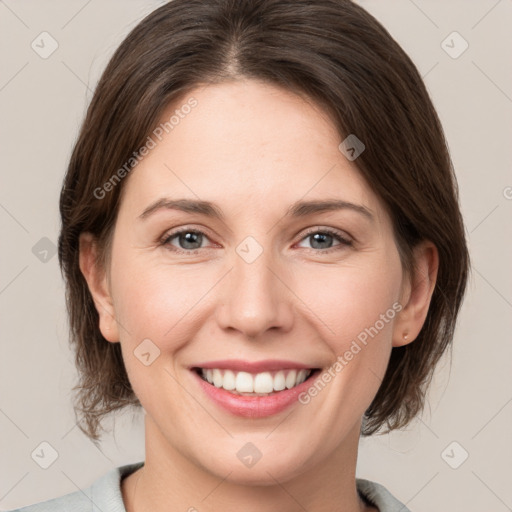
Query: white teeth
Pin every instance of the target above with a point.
(291, 379)
(229, 381)
(244, 382)
(260, 383)
(263, 383)
(301, 376)
(217, 378)
(279, 381)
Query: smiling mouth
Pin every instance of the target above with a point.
(255, 384)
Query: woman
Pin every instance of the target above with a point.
(263, 249)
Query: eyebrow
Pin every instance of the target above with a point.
(297, 210)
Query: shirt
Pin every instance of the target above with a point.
(104, 495)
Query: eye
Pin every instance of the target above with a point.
(188, 240)
(321, 239)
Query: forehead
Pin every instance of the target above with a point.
(246, 144)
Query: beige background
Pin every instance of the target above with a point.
(42, 102)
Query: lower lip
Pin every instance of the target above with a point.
(254, 406)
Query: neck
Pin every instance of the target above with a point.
(170, 480)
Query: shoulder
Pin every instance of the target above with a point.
(376, 494)
(102, 495)
(76, 501)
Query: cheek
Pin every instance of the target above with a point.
(153, 306)
(165, 304)
(150, 302)
(348, 300)
(354, 309)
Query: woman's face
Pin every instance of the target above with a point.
(258, 289)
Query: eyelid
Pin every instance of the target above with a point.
(184, 229)
(346, 237)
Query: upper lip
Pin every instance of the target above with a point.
(240, 365)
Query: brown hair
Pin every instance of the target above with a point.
(339, 56)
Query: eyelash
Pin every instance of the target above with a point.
(344, 242)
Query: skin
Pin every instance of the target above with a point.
(253, 149)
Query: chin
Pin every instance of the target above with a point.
(247, 465)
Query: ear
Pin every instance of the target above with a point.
(97, 282)
(416, 294)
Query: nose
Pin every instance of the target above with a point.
(255, 298)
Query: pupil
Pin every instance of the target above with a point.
(320, 236)
(190, 238)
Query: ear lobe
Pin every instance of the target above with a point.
(418, 294)
(97, 283)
